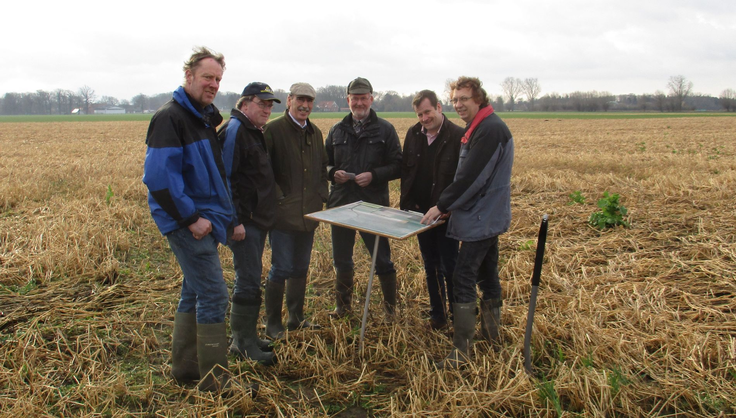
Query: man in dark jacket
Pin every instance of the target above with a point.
(364, 155)
(254, 195)
(299, 161)
(190, 202)
(430, 155)
(480, 202)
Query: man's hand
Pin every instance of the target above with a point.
(238, 233)
(341, 176)
(201, 228)
(364, 179)
(432, 215)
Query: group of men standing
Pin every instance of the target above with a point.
(253, 179)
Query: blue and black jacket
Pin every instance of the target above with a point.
(248, 167)
(184, 171)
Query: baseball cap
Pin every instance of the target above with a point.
(302, 89)
(360, 86)
(262, 90)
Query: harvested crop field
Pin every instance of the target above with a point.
(637, 321)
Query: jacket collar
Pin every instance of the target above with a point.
(210, 115)
(372, 118)
(237, 114)
(309, 127)
(417, 128)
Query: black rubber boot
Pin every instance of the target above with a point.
(243, 320)
(274, 302)
(212, 353)
(490, 319)
(462, 339)
(343, 294)
(184, 365)
(296, 288)
(388, 287)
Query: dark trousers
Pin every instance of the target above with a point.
(477, 264)
(343, 240)
(439, 254)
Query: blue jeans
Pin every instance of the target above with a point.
(291, 252)
(343, 240)
(248, 264)
(439, 254)
(477, 264)
(203, 289)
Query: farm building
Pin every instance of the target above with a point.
(112, 110)
(328, 106)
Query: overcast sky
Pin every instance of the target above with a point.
(123, 48)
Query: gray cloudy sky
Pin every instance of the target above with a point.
(124, 48)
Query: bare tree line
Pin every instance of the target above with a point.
(516, 95)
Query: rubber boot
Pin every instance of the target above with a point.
(243, 320)
(388, 287)
(274, 302)
(212, 353)
(296, 288)
(462, 339)
(184, 366)
(490, 319)
(343, 294)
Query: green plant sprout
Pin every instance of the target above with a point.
(611, 214)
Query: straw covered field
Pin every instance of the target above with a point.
(637, 321)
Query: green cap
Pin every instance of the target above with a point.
(360, 86)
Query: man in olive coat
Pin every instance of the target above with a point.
(299, 163)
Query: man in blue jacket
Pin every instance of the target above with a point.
(480, 202)
(190, 202)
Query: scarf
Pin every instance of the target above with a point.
(482, 114)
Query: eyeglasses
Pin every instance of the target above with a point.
(264, 105)
(460, 99)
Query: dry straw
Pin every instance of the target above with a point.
(630, 322)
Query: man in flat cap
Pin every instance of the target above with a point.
(254, 196)
(364, 155)
(297, 152)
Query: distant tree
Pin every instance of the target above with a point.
(728, 100)
(11, 105)
(531, 89)
(680, 87)
(391, 101)
(278, 108)
(498, 104)
(643, 101)
(660, 100)
(140, 102)
(109, 101)
(337, 94)
(448, 91)
(550, 102)
(44, 101)
(605, 99)
(87, 94)
(511, 88)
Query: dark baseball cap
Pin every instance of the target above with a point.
(360, 86)
(262, 90)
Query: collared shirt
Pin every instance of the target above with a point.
(430, 137)
(297, 122)
(358, 125)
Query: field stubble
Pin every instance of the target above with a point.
(630, 322)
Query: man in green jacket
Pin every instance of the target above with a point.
(299, 163)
